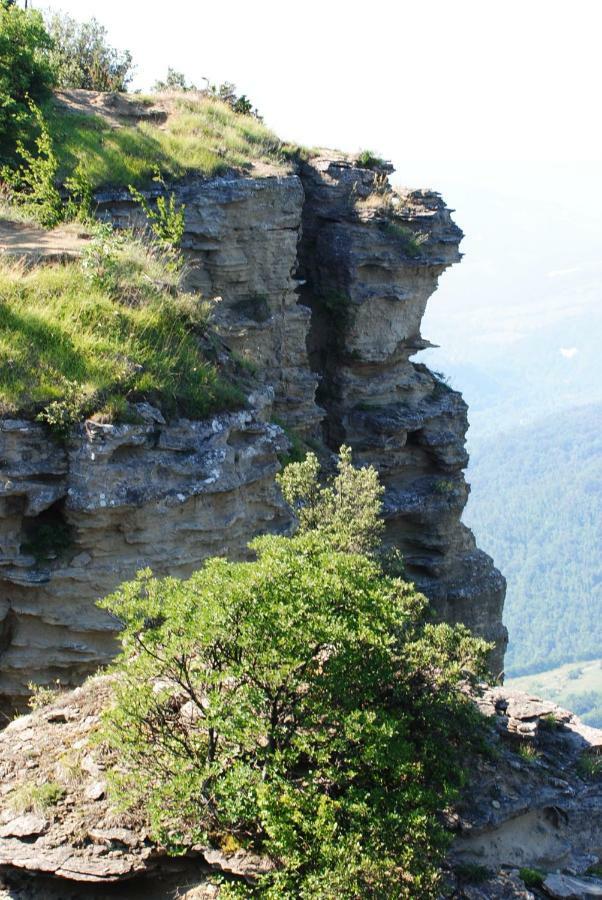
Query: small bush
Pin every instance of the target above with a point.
(550, 723)
(472, 873)
(174, 81)
(368, 160)
(532, 878)
(346, 512)
(48, 540)
(410, 242)
(528, 752)
(30, 797)
(35, 180)
(299, 706)
(42, 695)
(166, 218)
(63, 414)
(589, 766)
(444, 486)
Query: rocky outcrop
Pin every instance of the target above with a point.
(539, 810)
(535, 803)
(371, 257)
(79, 519)
(323, 274)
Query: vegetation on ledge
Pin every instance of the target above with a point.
(91, 335)
(201, 135)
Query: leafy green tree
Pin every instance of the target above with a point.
(81, 56)
(24, 70)
(301, 706)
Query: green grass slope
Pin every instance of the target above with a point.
(99, 332)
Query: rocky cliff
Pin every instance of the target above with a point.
(323, 272)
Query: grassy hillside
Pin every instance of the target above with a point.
(536, 506)
(578, 687)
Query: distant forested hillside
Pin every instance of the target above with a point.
(536, 507)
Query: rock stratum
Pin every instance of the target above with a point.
(324, 273)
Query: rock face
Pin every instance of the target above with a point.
(371, 258)
(124, 497)
(535, 803)
(323, 275)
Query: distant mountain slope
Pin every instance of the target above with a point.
(536, 507)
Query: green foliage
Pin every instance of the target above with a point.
(240, 104)
(299, 706)
(528, 752)
(42, 695)
(589, 766)
(81, 57)
(549, 723)
(368, 160)
(174, 81)
(346, 512)
(298, 449)
(166, 218)
(80, 204)
(25, 75)
(63, 414)
(73, 335)
(34, 181)
(543, 531)
(472, 873)
(444, 486)
(532, 878)
(30, 797)
(410, 241)
(48, 540)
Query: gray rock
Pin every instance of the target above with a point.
(567, 887)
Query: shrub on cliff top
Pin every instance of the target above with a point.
(301, 707)
(81, 57)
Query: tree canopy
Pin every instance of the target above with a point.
(300, 706)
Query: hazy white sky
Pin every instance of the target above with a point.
(412, 79)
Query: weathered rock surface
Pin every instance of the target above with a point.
(532, 808)
(517, 811)
(127, 496)
(240, 240)
(371, 257)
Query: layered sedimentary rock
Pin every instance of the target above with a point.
(79, 519)
(240, 239)
(323, 275)
(371, 257)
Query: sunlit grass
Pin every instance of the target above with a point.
(201, 135)
(134, 337)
